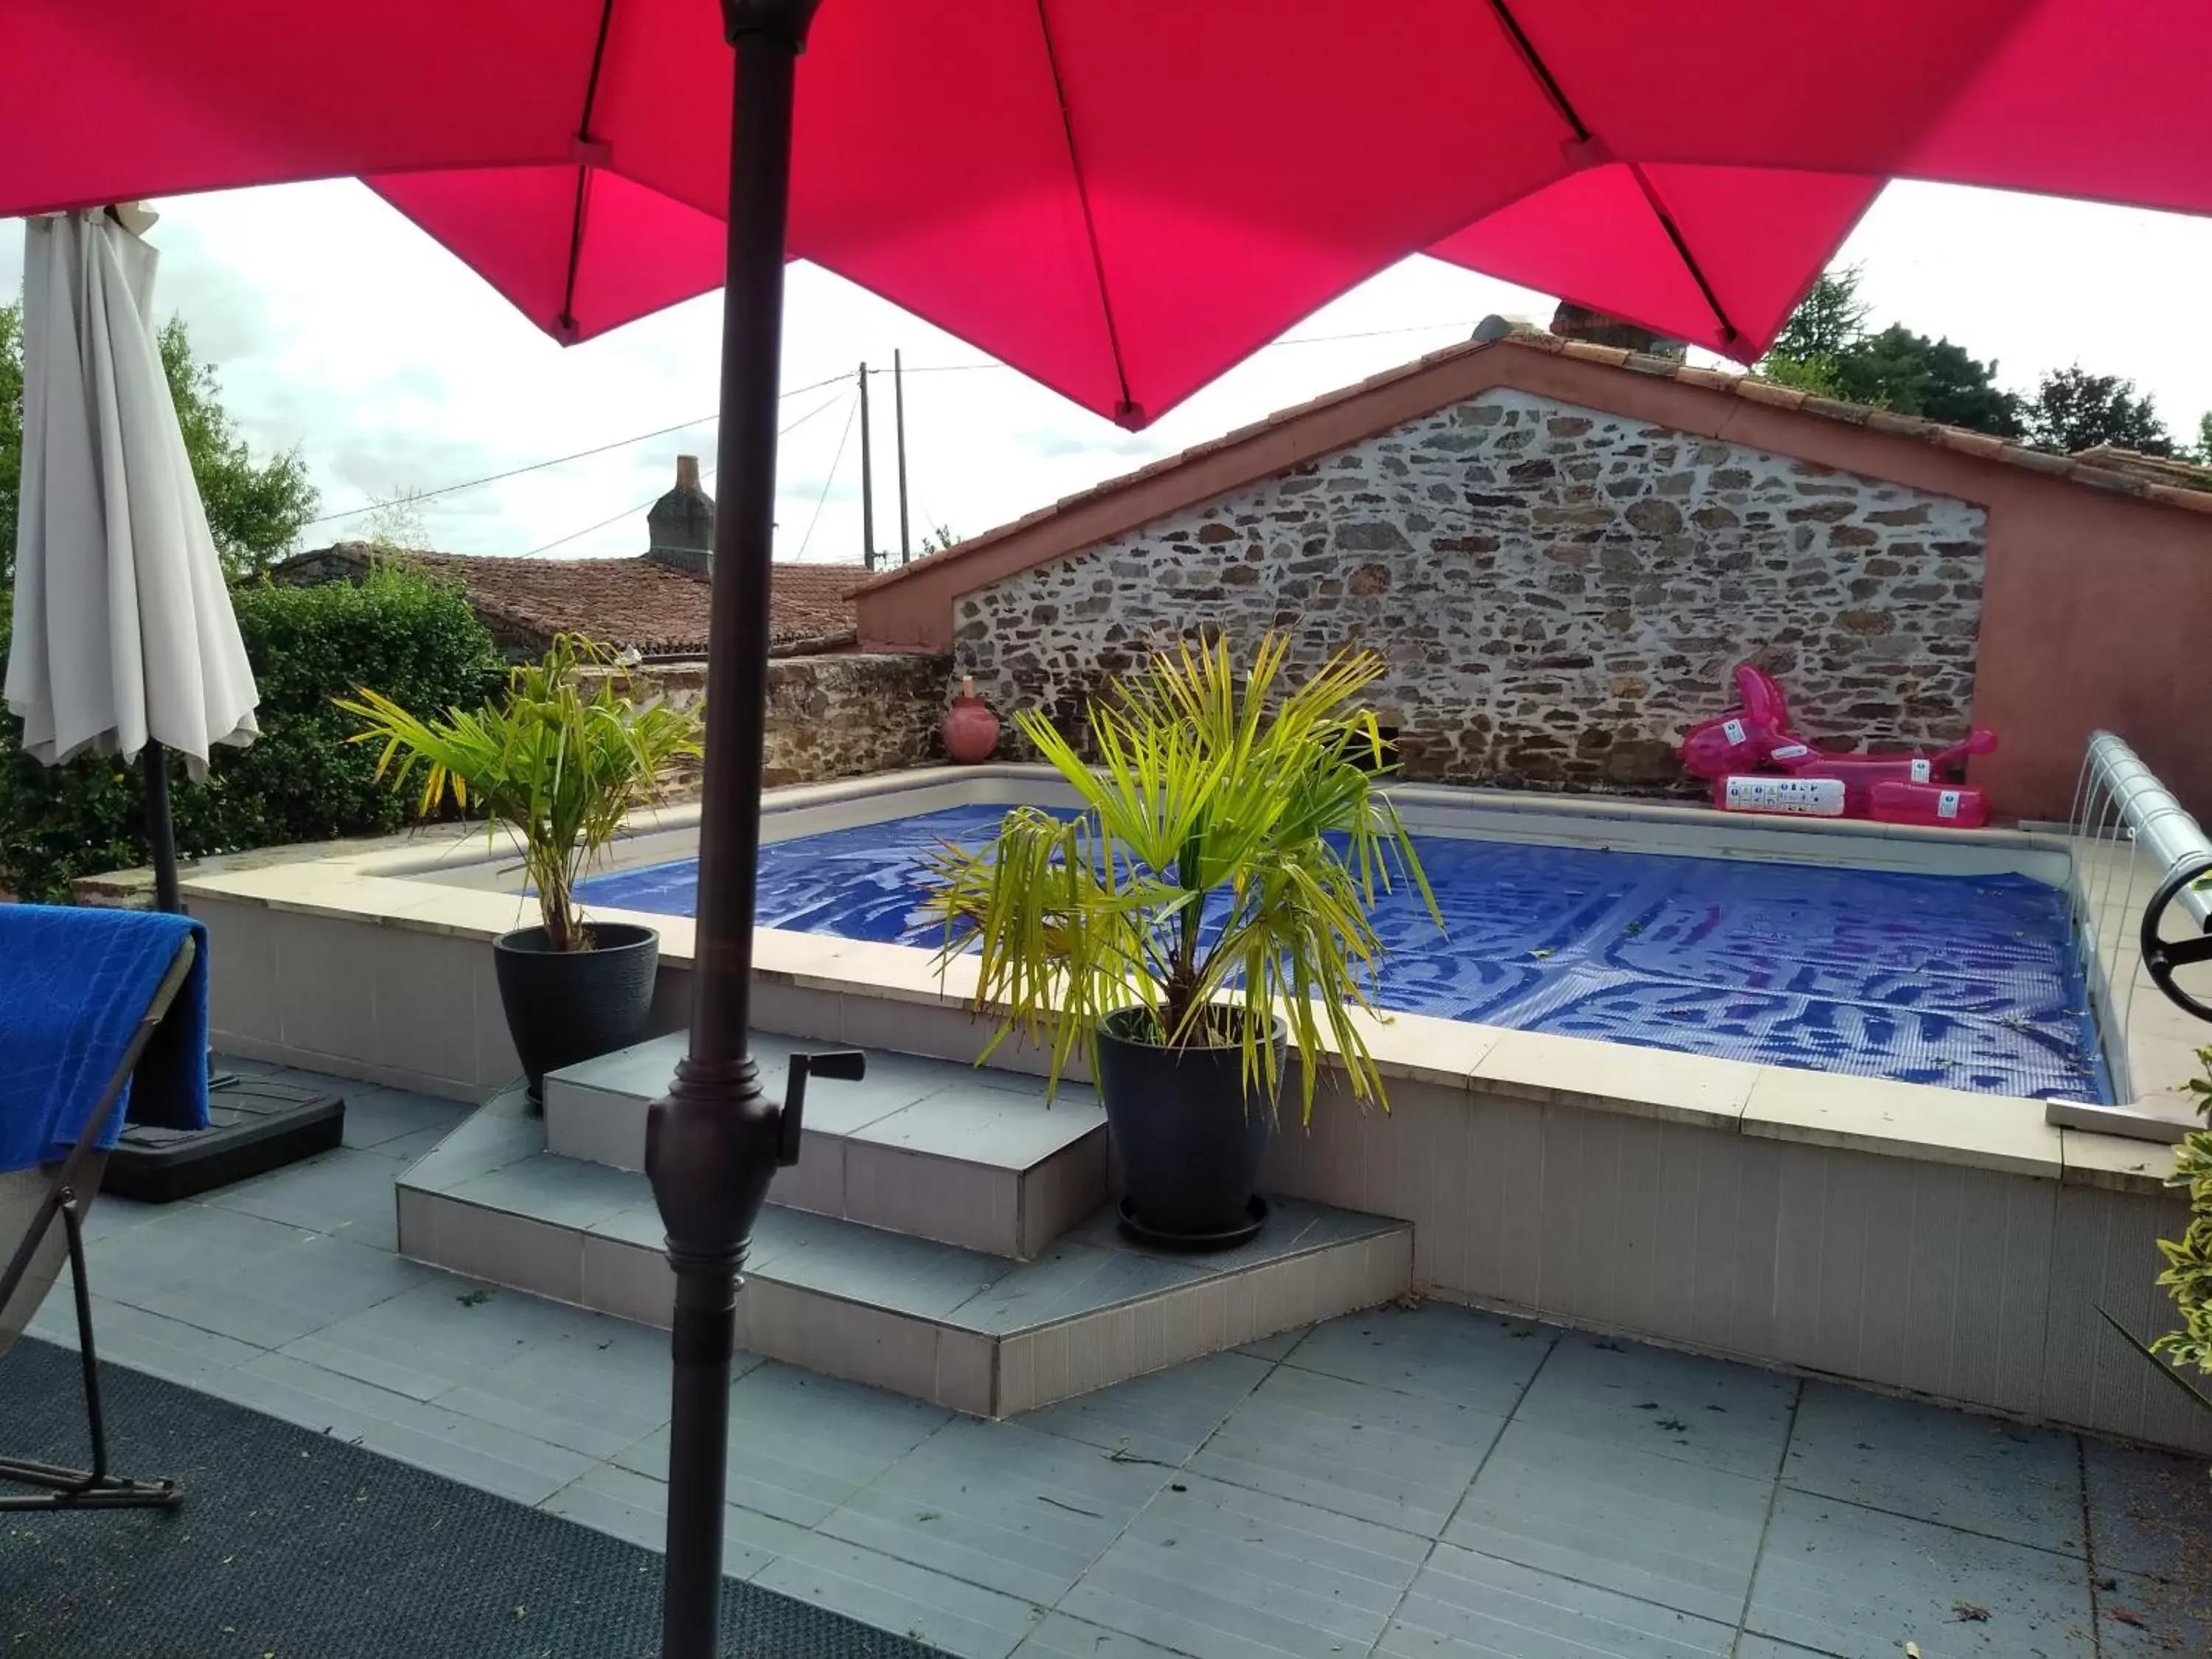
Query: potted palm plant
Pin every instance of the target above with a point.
(1204, 910)
(559, 762)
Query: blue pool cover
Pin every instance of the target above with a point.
(1970, 982)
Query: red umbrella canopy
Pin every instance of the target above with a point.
(1124, 197)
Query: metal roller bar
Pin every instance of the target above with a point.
(2163, 828)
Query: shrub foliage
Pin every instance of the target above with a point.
(302, 780)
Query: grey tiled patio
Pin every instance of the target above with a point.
(1408, 1483)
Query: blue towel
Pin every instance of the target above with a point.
(74, 984)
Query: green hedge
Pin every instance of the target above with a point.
(405, 635)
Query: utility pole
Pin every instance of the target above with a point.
(867, 482)
(898, 419)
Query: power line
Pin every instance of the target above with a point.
(709, 473)
(829, 479)
(558, 460)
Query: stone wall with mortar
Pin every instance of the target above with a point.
(837, 715)
(1557, 591)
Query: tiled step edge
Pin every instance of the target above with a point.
(967, 1371)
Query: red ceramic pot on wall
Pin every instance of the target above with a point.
(970, 729)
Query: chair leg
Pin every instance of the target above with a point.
(94, 1488)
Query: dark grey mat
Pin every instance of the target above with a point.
(293, 1544)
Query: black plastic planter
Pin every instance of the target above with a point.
(566, 1005)
(1190, 1140)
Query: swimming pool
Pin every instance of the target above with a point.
(1967, 982)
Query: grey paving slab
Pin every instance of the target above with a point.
(110, 1214)
(485, 1455)
(944, 1613)
(1276, 1346)
(1216, 1569)
(375, 1118)
(2144, 1617)
(1451, 1353)
(186, 1244)
(443, 1333)
(1400, 1460)
(1000, 1505)
(1062, 1638)
(1958, 1470)
(411, 1149)
(1646, 1525)
(801, 1445)
(1465, 1605)
(593, 1425)
(603, 1359)
(345, 1192)
(149, 1342)
(1067, 1280)
(2149, 1512)
(1164, 1416)
(309, 1282)
(1766, 1647)
(1860, 1583)
(309, 1396)
(609, 1499)
(1674, 1405)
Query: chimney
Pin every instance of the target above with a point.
(681, 526)
(1574, 322)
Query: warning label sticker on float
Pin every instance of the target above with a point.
(1813, 798)
(1946, 804)
(1733, 731)
(1921, 771)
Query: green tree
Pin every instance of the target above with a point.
(2073, 411)
(1936, 380)
(254, 507)
(2202, 456)
(1825, 348)
(1829, 320)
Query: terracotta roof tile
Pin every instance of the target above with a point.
(641, 604)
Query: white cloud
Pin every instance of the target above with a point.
(337, 326)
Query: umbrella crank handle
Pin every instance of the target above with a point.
(847, 1065)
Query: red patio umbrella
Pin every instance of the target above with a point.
(1121, 198)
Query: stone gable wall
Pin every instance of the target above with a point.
(1558, 591)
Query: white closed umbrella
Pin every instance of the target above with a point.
(124, 641)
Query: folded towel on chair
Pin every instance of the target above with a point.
(74, 984)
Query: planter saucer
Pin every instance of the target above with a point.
(1135, 1229)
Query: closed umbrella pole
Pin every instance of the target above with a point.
(711, 1146)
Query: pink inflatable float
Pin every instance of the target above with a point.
(1757, 764)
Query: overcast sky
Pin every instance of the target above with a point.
(338, 327)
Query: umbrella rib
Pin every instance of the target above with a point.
(1128, 409)
(1728, 331)
(1540, 72)
(568, 318)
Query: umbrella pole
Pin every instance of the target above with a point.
(712, 1144)
(154, 761)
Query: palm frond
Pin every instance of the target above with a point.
(1226, 849)
(562, 760)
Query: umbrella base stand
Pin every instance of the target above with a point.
(254, 1126)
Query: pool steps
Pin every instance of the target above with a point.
(1067, 1307)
